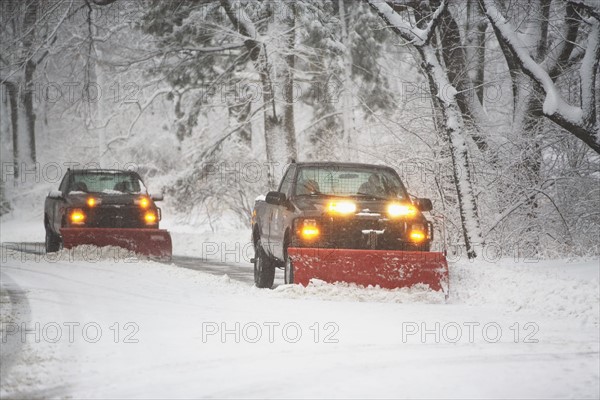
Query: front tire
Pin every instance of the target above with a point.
(288, 270)
(52, 241)
(264, 268)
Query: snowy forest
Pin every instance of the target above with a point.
(488, 107)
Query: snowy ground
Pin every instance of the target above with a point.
(84, 325)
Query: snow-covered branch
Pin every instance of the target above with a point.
(588, 72)
(103, 2)
(412, 34)
(141, 109)
(581, 4)
(580, 121)
(245, 27)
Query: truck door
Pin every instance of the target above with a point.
(278, 217)
(58, 205)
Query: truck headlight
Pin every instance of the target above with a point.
(77, 217)
(417, 233)
(93, 202)
(417, 236)
(150, 217)
(309, 229)
(341, 207)
(143, 202)
(395, 210)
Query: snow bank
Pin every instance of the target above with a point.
(22, 228)
(552, 288)
(556, 289)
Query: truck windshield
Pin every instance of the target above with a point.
(105, 182)
(349, 181)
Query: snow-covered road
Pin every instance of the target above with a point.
(127, 328)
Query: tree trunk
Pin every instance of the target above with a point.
(239, 114)
(94, 74)
(347, 100)
(13, 102)
(272, 124)
(453, 127)
(29, 153)
(5, 134)
(475, 32)
(288, 90)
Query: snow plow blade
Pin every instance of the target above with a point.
(389, 269)
(154, 243)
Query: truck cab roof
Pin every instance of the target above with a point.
(341, 164)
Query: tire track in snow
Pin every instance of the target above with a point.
(19, 310)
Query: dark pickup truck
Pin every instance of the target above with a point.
(104, 207)
(337, 206)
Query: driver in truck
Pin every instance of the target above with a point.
(372, 187)
(308, 186)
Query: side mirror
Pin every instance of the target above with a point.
(55, 194)
(275, 198)
(157, 196)
(424, 204)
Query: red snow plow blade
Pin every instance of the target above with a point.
(155, 243)
(389, 269)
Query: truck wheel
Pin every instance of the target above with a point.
(264, 269)
(288, 270)
(52, 241)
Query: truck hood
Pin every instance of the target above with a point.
(80, 198)
(364, 206)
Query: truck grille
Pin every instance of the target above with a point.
(115, 217)
(363, 233)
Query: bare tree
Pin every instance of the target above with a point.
(452, 121)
